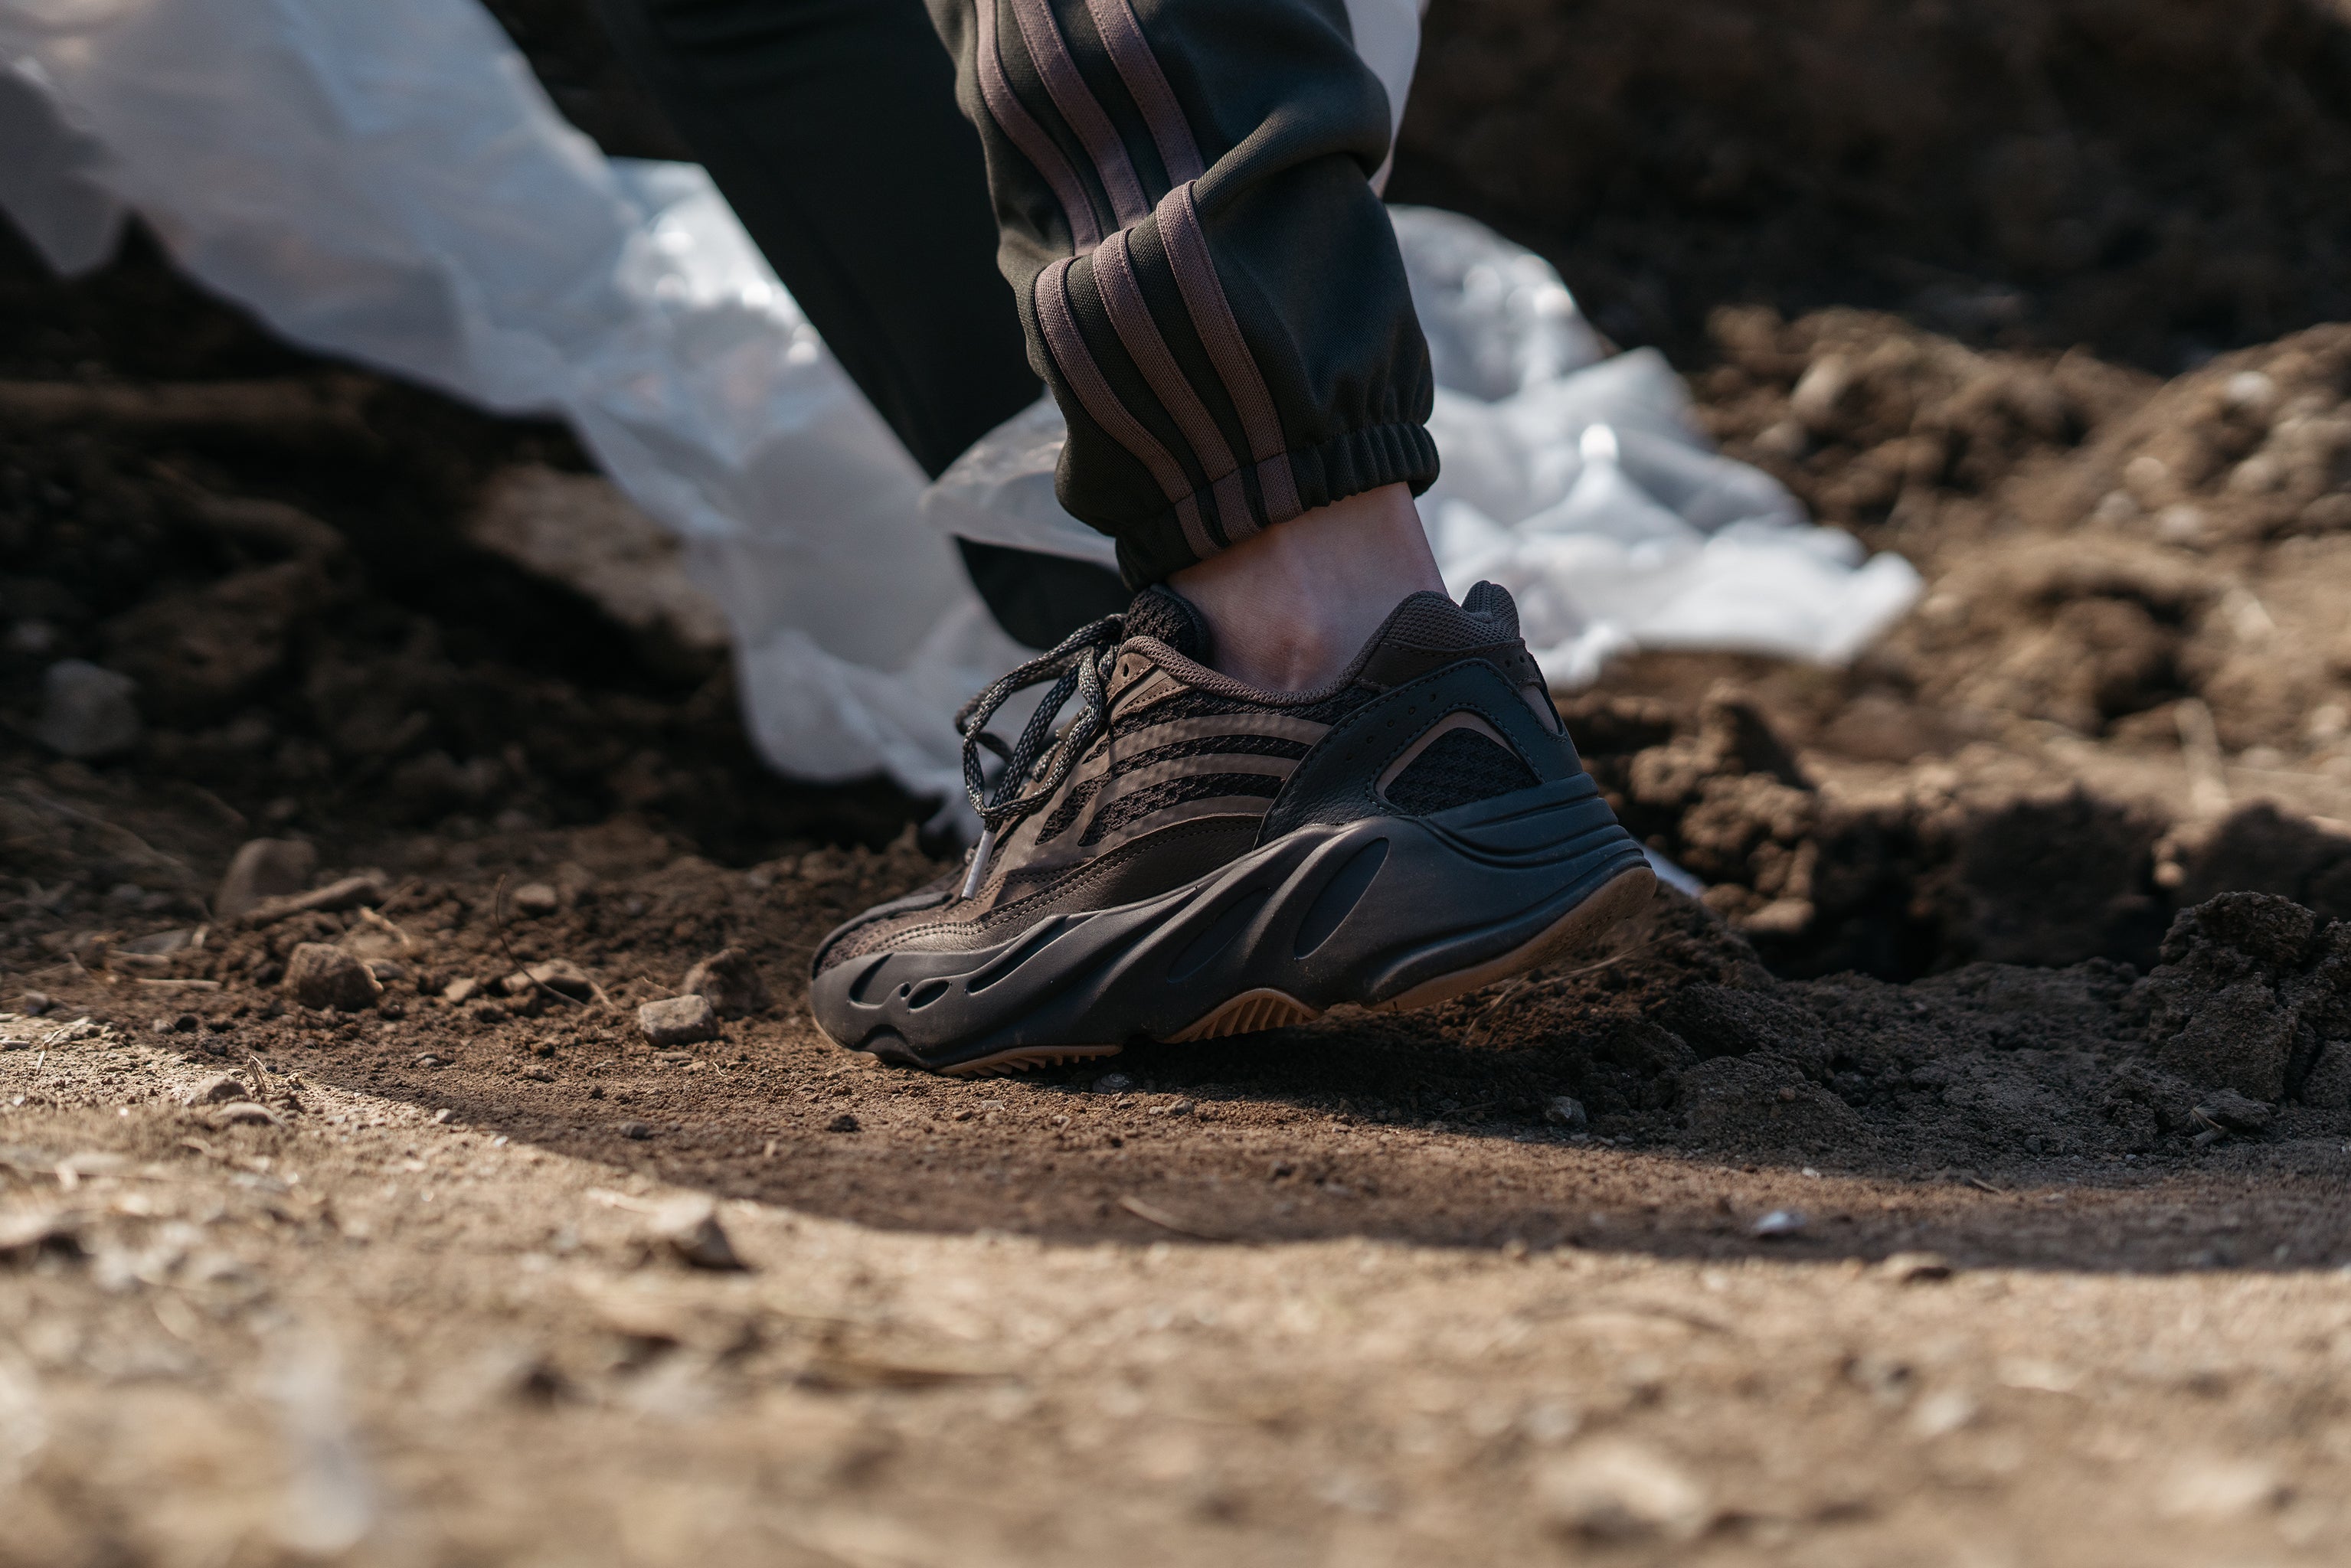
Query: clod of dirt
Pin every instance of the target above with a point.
(1737, 1101)
(678, 1021)
(2328, 1087)
(2251, 989)
(244, 1112)
(731, 981)
(318, 976)
(218, 1091)
(689, 1228)
(263, 869)
(562, 976)
(1614, 1491)
(2229, 1112)
(86, 711)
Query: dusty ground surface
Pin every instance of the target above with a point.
(1960, 1179)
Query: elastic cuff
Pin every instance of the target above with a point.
(1347, 465)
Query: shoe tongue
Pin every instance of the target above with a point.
(1159, 612)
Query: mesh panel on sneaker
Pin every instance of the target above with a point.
(1197, 704)
(1457, 767)
(1174, 792)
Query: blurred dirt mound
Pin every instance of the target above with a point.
(2153, 178)
(313, 576)
(2243, 1030)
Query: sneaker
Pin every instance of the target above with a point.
(1189, 858)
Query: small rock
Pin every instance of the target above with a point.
(536, 898)
(386, 970)
(461, 991)
(32, 1004)
(637, 1130)
(729, 980)
(86, 711)
(1566, 1111)
(844, 1123)
(1621, 1491)
(690, 1228)
(318, 976)
(1915, 1268)
(1779, 1222)
(263, 869)
(239, 1113)
(1112, 1084)
(1172, 1108)
(428, 1059)
(218, 1091)
(538, 1074)
(678, 1021)
(2229, 1112)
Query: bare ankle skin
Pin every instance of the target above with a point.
(1292, 606)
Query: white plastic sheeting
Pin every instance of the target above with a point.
(389, 184)
(1576, 480)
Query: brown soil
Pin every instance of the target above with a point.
(1960, 1180)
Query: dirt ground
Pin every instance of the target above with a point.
(1959, 1179)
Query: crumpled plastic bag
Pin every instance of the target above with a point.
(1576, 479)
(388, 182)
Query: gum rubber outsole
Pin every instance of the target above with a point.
(1256, 1010)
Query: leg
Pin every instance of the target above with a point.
(832, 128)
(1210, 287)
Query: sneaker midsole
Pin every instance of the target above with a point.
(1357, 912)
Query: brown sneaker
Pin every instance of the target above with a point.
(1188, 858)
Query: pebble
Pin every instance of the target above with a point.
(1112, 1084)
(86, 711)
(536, 898)
(1566, 1111)
(1617, 1491)
(678, 1021)
(32, 1004)
(318, 976)
(844, 1123)
(634, 1130)
(459, 991)
(733, 985)
(1779, 1222)
(690, 1228)
(263, 869)
(1915, 1268)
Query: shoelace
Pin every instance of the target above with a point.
(1036, 764)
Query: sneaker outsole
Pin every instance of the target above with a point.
(1420, 929)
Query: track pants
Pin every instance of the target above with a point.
(1178, 192)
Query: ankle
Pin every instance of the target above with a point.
(1288, 609)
